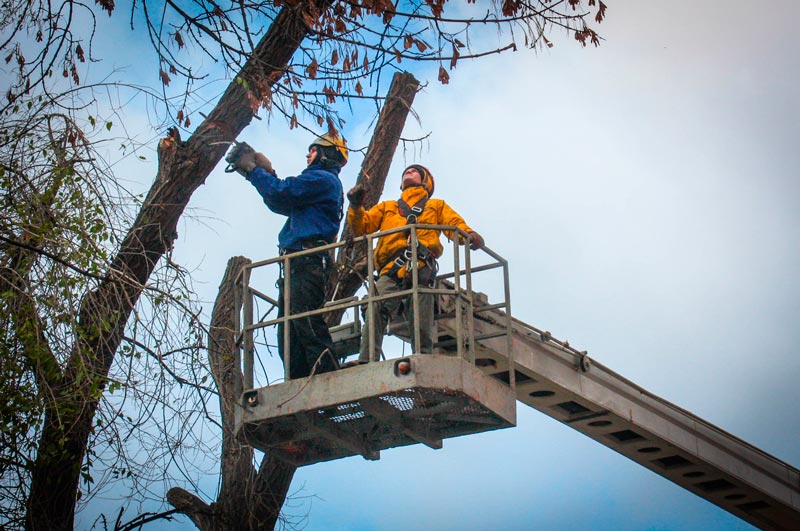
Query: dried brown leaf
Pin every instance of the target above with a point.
(444, 77)
(437, 7)
(601, 13)
(312, 68)
(329, 93)
(510, 7)
(454, 59)
(107, 5)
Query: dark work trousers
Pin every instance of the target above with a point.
(389, 309)
(308, 336)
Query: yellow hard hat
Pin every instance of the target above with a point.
(427, 177)
(336, 142)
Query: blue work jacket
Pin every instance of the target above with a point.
(313, 202)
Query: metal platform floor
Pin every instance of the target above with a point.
(365, 409)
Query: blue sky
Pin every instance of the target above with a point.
(646, 196)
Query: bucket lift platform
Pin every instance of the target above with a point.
(365, 409)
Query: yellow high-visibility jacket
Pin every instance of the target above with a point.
(386, 215)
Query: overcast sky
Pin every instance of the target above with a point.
(646, 195)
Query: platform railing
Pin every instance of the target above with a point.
(456, 284)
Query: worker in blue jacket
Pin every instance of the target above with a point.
(313, 203)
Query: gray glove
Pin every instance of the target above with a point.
(356, 195)
(476, 241)
(246, 163)
(243, 159)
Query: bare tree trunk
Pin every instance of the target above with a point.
(248, 499)
(183, 166)
(351, 267)
(233, 506)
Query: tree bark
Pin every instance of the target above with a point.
(232, 509)
(351, 266)
(248, 499)
(183, 167)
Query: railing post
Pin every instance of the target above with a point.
(415, 292)
(370, 318)
(509, 345)
(470, 304)
(287, 314)
(249, 347)
(238, 288)
(457, 300)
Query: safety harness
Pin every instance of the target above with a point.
(402, 258)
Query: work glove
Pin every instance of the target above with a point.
(476, 241)
(356, 195)
(246, 163)
(263, 162)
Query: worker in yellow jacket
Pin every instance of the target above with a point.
(392, 253)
